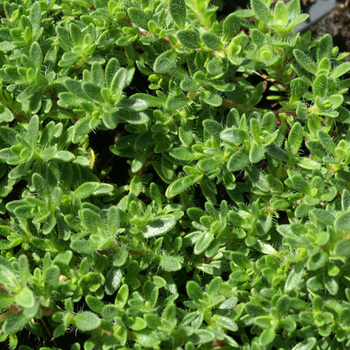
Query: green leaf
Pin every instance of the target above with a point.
(267, 337)
(139, 17)
(5, 300)
(93, 91)
(177, 9)
(238, 161)
(256, 153)
(226, 323)
(281, 13)
(342, 222)
(113, 280)
(306, 344)
(298, 88)
(183, 153)
(92, 221)
(203, 336)
(83, 246)
(159, 226)
(87, 321)
(35, 20)
(15, 323)
(165, 62)
(208, 164)
(203, 242)
(210, 98)
(65, 156)
(36, 55)
(9, 279)
(326, 141)
(119, 81)
(317, 261)
(189, 38)
(294, 277)
(323, 216)
(76, 34)
(230, 27)
(177, 102)
(194, 291)
(25, 298)
(189, 85)
(51, 279)
(305, 61)
(261, 11)
(295, 138)
(170, 263)
(23, 268)
(233, 135)
(340, 70)
(180, 185)
(5, 114)
(342, 248)
(212, 41)
(324, 47)
(320, 85)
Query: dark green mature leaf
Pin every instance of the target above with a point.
(189, 38)
(305, 61)
(15, 323)
(342, 222)
(139, 17)
(294, 277)
(165, 62)
(212, 41)
(238, 161)
(87, 321)
(177, 10)
(180, 185)
(159, 226)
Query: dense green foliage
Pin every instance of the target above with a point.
(170, 180)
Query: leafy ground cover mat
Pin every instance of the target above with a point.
(170, 180)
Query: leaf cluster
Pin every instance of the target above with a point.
(231, 228)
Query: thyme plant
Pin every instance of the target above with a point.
(171, 179)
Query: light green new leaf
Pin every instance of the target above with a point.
(281, 13)
(340, 70)
(261, 11)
